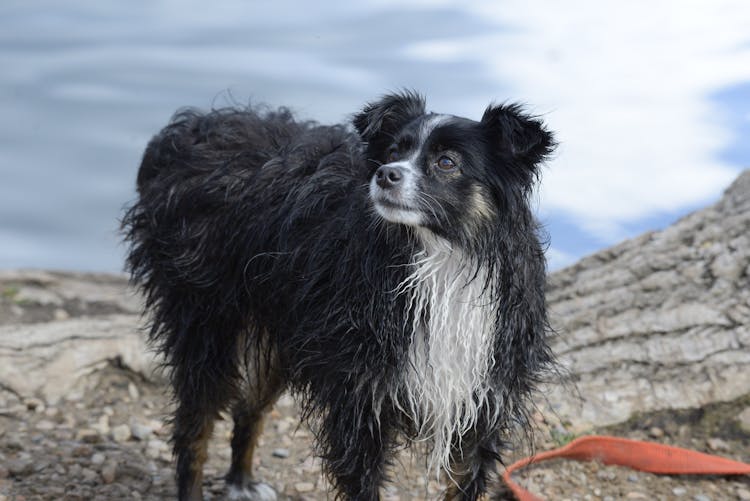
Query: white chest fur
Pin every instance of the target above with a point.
(446, 383)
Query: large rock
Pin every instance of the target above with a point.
(56, 328)
(660, 321)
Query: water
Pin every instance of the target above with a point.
(83, 86)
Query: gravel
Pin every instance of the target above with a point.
(110, 445)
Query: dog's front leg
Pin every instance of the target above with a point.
(355, 443)
(474, 464)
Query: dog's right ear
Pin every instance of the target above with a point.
(380, 120)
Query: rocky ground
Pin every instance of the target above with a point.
(110, 444)
(103, 438)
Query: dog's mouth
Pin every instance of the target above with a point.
(396, 201)
(396, 212)
(390, 204)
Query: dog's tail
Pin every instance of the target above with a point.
(171, 147)
(186, 246)
(195, 142)
(178, 252)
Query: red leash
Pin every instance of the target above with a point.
(643, 456)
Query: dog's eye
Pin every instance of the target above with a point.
(392, 156)
(445, 163)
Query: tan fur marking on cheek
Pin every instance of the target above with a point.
(480, 205)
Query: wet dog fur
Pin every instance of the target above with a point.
(389, 275)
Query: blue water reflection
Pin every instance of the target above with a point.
(85, 84)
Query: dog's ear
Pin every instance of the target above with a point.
(521, 135)
(380, 120)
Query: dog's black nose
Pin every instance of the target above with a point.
(388, 176)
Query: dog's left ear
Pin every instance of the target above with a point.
(380, 120)
(523, 136)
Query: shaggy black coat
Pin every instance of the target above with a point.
(253, 236)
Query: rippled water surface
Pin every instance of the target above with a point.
(83, 85)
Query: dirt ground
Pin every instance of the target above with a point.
(110, 444)
(107, 441)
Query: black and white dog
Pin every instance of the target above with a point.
(392, 278)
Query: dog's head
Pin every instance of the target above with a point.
(449, 174)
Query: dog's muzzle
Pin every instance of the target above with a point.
(393, 190)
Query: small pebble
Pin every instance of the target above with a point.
(34, 404)
(285, 400)
(88, 436)
(81, 450)
(89, 475)
(121, 433)
(14, 443)
(159, 445)
(140, 431)
(109, 472)
(656, 432)
(743, 494)
(52, 412)
(20, 467)
(743, 418)
(45, 425)
(133, 391)
(61, 314)
(97, 459)
(283, 426)
(679, 491)
(304, 487)
(717, 444)
(636, 495)
(102, 425)
(157, 427)
(158, 449)
(280, 453)
(701, 497)
(56, 490)
(605, 475)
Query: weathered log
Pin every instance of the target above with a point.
(659, 321)
(57, 327)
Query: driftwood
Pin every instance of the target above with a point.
(660, 321)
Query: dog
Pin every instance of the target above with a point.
(390, 275)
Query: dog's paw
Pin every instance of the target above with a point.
(252, 491)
